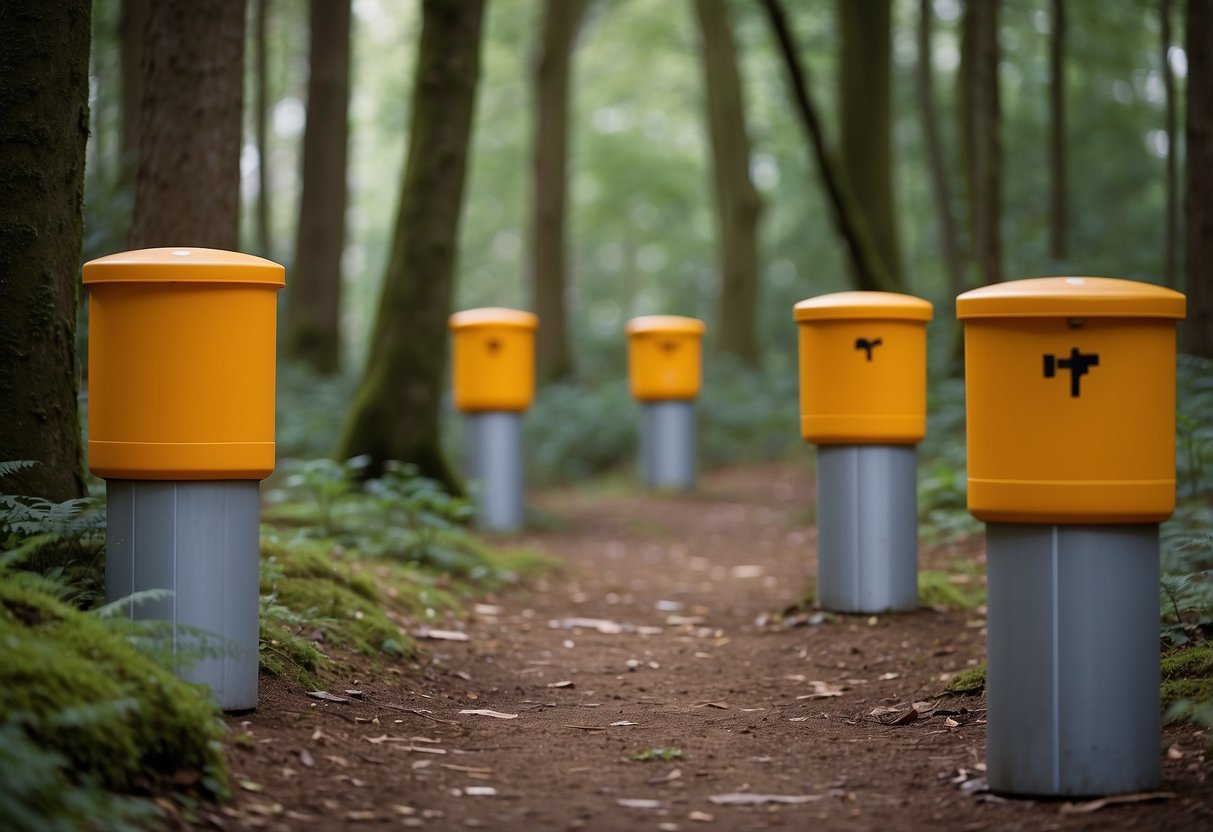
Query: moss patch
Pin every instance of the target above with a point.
(961, 588)
(1187, 674)
(75, 686)
(967, 682)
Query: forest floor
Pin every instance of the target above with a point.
(662, 639)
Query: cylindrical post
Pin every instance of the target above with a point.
(198, 540)
(493, 371)
(665, 372)
(667, 444)
(867, 528)
(1072, 679)
(1070, 406)
(863, 394)
(181, 426)
(495, 464)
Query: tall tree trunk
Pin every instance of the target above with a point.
(982, 149)
(849, 221)
(187, 190)
(949, 246)
(43, 131)
(737, 202)
(1198, 332)
(260, 118)
(553, 350)
(1059, 194)
(1171, 252)
(312, 328)
(865, 109)
(131, 28)
(395, 414)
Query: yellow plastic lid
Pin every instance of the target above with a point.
(1071, 297)
(184, 265)
(665, 324)
(866, 306)
(494, 316)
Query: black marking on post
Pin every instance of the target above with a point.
(494, 346)
(867, 346)
(1078, 363)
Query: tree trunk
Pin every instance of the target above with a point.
(396, 410)
(312, 329)
(44, 58)
(260, 118)
(1198, 332)
(1059, 195)
(949, 246)
(982, 150)
(865, 111)
(553, 351)
(1171, 252)
(131, 28)
(737, 202)
(869, 270)
(187, 190)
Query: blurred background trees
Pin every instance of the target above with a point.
(715, 158)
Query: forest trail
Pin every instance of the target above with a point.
(661, 639)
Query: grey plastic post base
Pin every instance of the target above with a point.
(667, 445)
(200, 541)
(1073, 676)
(494, 460)
(867, 528)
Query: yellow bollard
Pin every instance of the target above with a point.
(181, 425)
(863, 397)
(494, 381)
(664, 361)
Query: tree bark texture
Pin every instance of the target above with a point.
(549, 269)
(849, 221)
(866, 116)
(941, 190)
(44, 59)
(738, 205)
(265, 243)
(1198, 331)
(131, 26)
(312, 327)
(982, 148)
(1171, 244)
(187, 190)
(395, 415)
(1059, 192)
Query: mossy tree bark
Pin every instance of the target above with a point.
(395, 415)
(1171, 250)
(866, 116)
(941, 189)
(131, 26)
(187, 189)
(312, 327)
(981, 147)
(549, 269)
(738, 205)
(1198, 331)
(852, 226)
(44, 57)
(261, 83)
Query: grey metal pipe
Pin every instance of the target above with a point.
(495, 462)
(867, 528)
(1073, 675)
(200, 541)
(667, 444)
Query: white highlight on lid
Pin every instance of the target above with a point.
(182, 253)
(1075, 281)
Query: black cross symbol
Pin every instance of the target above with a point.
(867, 346)
(1079, 364)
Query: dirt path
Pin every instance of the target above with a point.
(672, 651)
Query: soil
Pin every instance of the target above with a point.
(680, 655)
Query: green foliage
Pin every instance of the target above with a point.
(104, 719)
(664, 755)
(60, 545)
(967, 682)
(310, 410)
(960, 588)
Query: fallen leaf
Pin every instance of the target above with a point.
(564, 684)
(749, 799)
(638, 803)
(479, 791)
(701, 817)
(493, 714)
(724, 706)
(467, 769)
(951, 723)
(325, 696)
(669, 777)
(888, 677)
(250, 786)
(354, 694)
(442, 635)
(623, 723)
(1115, 800)
(821, 690)
(602, 625)
(305, 757)
(585, 727)
(361, 814)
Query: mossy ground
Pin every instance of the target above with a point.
(1187, 674)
